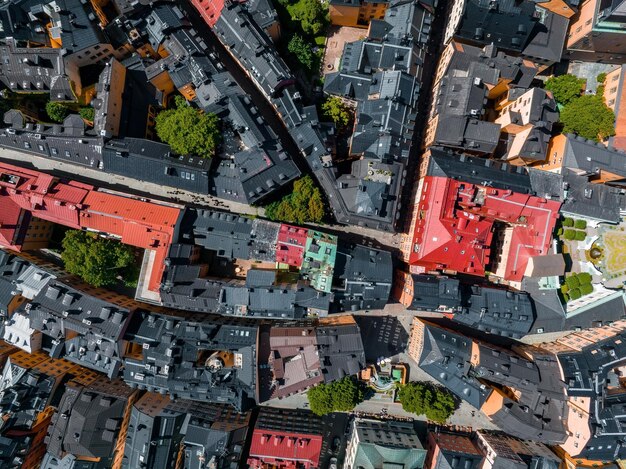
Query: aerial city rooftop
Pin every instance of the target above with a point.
(312, 234)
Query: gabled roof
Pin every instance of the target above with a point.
(457, 228)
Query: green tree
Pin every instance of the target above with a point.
(580, 236)
(601, 78)
(569, 235)
(98, 261)
(435, 403)
(301, 51)
(188, 130)
(588, 117)
(580, 224)
(565, 88)
(335, 110)
(574, 294)
(568, 222)
(87, 113)
(303, 205)
(312, 15)
(584, 277)
(586, 289)
(339, 396)
(572, 281)
(56, 111)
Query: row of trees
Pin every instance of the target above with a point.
(585, 115)
(339, 396)
(434, 402)
(57, 112)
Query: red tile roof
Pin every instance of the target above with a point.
(210, 10)
(291, 245)
(457, 222)
(10, 216)
(284, 450)
(141, 224)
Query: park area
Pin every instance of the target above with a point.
(608, 253)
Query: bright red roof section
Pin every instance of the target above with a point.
(284, 450)
(460, 224)
(141, 224)
(210, 10)
(291, 245)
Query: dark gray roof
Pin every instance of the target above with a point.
(152, 421)
(154, 162)
(459, 107)
(495, 64)
(365, 275)
(588, 200)
(59, 309)
(492, 173)
(507, 23)
(540, 404)
(171, 346)
(430, 292)
(340, 350)
(235, 237)
(214, 433)
(79, 27)
(88, 420)
(252, 48)
(546, 44)
(185, 284)
(445, 356)
(591, 158)
(23, 398)
(589, 372)
(497, 311)
(262, 297)
(34, 70)
(228, 235)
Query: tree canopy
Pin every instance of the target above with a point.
(588, 117)
(56, 111)
(335, 110)
(87, 113)
(339, 396)
(188, 130)
(98, 261)
(303, 205)
(565, 88)
(312, 15)
(435, 403)
(301, 51)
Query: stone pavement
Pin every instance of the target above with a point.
(123, 184)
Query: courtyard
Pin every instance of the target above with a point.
(337, 37)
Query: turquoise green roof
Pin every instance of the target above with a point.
(371, 456)
(319, 260)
